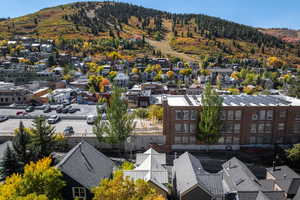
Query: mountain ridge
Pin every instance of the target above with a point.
(193, 34)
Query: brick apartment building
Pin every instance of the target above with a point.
(246, 120)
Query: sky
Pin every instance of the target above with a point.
(257, 13)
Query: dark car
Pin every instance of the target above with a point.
(29, 109)
(73, 110)
(66, 109)
(47, 109)
(59, 109)
(68, 131)
(3, 118)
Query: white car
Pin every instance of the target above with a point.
(90, 119)
(53, 119)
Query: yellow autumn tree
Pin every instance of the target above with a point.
(125, 188)
(275, 62)
(135, 70)
(39, 181)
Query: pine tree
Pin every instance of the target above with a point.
(42, 139)
(21, 143)
(210, 123)
(9, 163)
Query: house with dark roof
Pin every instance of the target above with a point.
(83, 168)
(192, 182)
(284, 178)
(240, 183)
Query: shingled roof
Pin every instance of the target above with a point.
(86, 165)
(189, 173)
(238, 177)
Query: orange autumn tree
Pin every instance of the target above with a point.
(39, 181)
(124, 188)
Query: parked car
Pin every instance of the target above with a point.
(47, 109)
(91, 119)
(21, 113)
(68, 131)
(29, 109)
(73, 110)
(59, 109)
(53, 119)
(67, 103)
(66, 109)
(3, 118)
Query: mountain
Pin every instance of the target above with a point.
(287, 35)
(187, 36)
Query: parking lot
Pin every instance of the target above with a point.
(83, 111)
(81, 128)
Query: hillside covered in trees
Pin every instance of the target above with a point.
(195, 35)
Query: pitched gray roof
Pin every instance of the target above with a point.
(238, 177)
(86, 165)
(286, 178)
(189, 172)
(159, 157)
(283, 172)
(259, 195)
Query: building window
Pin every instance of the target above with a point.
(227, 128)
(193, 115)
(268, 128)
(282, 114)
(270, 115)
(185, 140)
(279, 140)
(253, 128)
(267, 140)
(297, 127)
(192, 128)
(192, 139)
(177, 140)
(179, 115)
(186, 128)
(259, 140)
(237, 128)
(178, 128)
(236, 140)
(79, 193)
(230, 115)
(228, 140)
(186, 115)
(252, 140)
(280, 126)
(223, 115)
(297, 116)
(261, 128)
(238, 115)
(254, 116)
(262, 115)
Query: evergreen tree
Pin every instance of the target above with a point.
(21, 143)
(9, 163)
(42, 139)
(210, 123)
